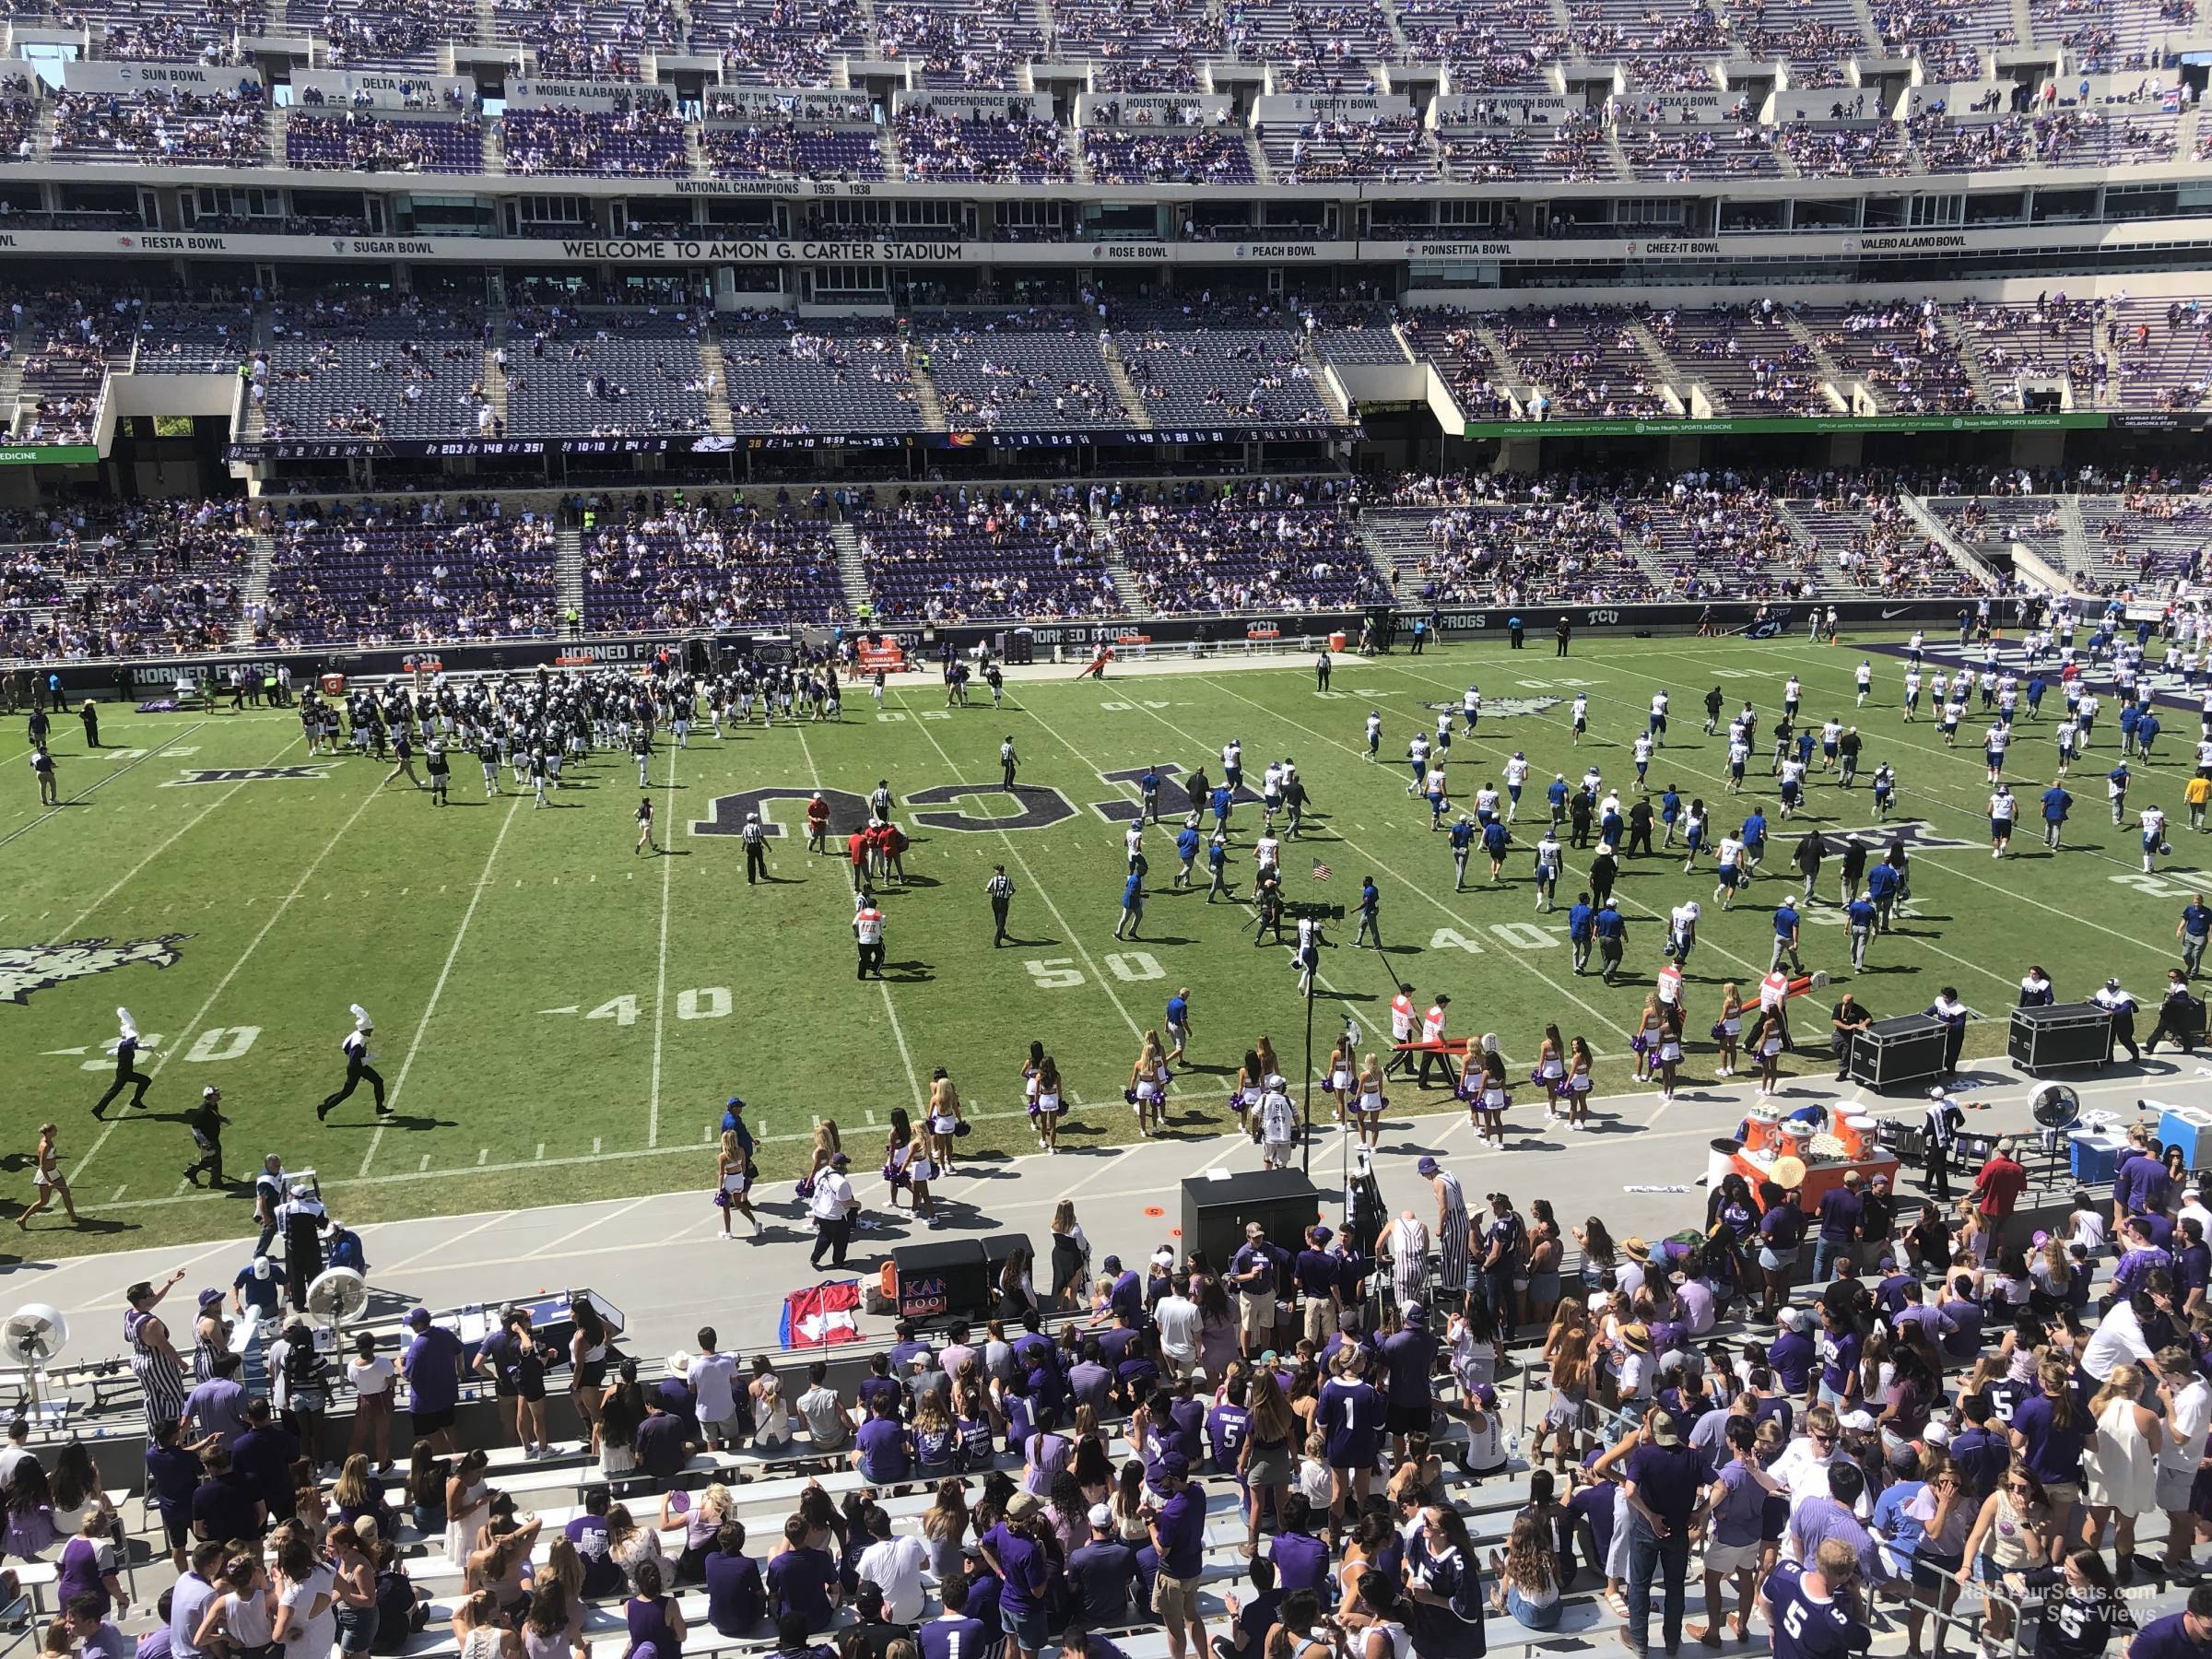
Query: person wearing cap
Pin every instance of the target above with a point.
(358, 1070)
(432, 1364)
(1997, 1188)
(1251, 1274)
(2121, 1008)
(1103, 1573)
(207, 1124)
(1178, 1532)
(832, 1208)
(1014, 1551)
(256, 1289)
(1664, 1493)
(1433, 1038)
(1938, 1136)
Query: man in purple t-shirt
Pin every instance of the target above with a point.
(1014, 1553)
(1736, 1500)
(1179, 1543)
(432, 1367)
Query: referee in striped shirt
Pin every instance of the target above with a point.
(1000, 889)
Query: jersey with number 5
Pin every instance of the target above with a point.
(1806, 1626)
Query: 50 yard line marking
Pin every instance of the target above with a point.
(906, 1054)
(660, 992)
(1073, 939)
(429, 1008)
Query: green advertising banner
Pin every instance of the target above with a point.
(48, 454)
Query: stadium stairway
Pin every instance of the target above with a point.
(1938, 531)
(1664, 367)
(568, 568)
(851, 569)
(1977, 372)
(1836, 382)
(926, 401)
(718, 380)
(2079, 557)
(254, 595)
(495, 387)
(1126, 587)
(1117, 373)
(1509, 369)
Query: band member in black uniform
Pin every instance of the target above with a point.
(126, 1066)
(358, 1069)
(206, 1126)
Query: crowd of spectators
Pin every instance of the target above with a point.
(697, 566)
(1184, 153)
(162, 128)
(359, 141)
(1584, 360)
(645, 138)
(1275, 545)
(370, 574)
(948, 557)
(129, 580)
(1013, 148)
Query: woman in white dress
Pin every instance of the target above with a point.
(2122, 1461)
(467, 1505)
(733, 1181)
(944, 1118)
(1341, 1080)
(1051, 1105)
(1371, 1101)
(241, 1615)
(1144, 1087)
(46, 1179)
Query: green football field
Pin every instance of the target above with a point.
(558, 1019)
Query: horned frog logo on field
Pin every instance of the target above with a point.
(28, 968)
(1501, 708)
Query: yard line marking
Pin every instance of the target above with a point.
(118, 1192)
(100, 783)
(906, 1054)
(1406, 882)
(660, 992)
(443, 1244)
(193, 1025)
(429, 1009)
(1013, 851)
(541, 1151)
(425, 1163)
(484, 1155)
(132, 874)
(595, 1146)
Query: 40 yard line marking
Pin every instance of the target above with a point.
(193, 1025)
(660, 992)
(429, 1009)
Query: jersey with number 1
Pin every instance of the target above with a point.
(1351, 1418)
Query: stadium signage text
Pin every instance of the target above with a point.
(752, 252)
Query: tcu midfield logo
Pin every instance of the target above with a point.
(28, 968)
(980, 807)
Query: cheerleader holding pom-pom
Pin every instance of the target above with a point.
(1050, 1105)
(1246, 1094)
(1487, 1108)
(1550, 1073)
(1645, 1042)
(1144, 1091)
(1029, 1068)
(1341, 1080)
(1370, 1103)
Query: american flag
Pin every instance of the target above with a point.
(1320, 871)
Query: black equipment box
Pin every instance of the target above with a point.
(1895, 1054)
(1216, 1208)
(2061, 1034)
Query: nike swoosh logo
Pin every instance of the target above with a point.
(1899, 611)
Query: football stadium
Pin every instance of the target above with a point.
(931, 829)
